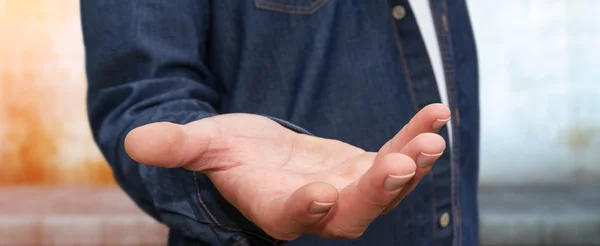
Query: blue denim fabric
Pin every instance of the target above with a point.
(342, 69)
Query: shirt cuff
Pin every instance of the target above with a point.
(290, 125)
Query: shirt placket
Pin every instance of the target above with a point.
(424, 90)
(440, 19)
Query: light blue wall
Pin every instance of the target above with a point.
(540, 90)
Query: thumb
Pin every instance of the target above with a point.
(170, 145)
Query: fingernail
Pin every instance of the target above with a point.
(320, 207)
(395, 182)
(424, 159)
(439, 123)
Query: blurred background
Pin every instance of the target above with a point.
(540, 160)
(55, 187)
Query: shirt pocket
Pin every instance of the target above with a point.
(296, 7)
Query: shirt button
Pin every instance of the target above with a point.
(398, 12)
(444, 220)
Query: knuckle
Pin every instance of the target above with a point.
(376, 200)
(426, 136)
(408, 127)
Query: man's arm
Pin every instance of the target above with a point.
(146, 71)
(144, 62)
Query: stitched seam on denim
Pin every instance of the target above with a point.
(249, 233)
(205, 208)
(454, 151)
(414, 100)
(290, 9)
(433, 212)
(289, 6)
(446, 51)
(456, 131)
(435, 215)
(404, 64)
(217, 222)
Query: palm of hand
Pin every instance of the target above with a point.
(287, 183)
(258, 162)
(263, 152)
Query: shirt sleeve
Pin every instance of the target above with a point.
(145, 63)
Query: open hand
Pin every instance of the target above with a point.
(290, 184)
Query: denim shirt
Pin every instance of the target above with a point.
(341, 69)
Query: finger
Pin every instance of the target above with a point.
(429, 119)
(424, 149)
(304, 208)
(364, 200)
(171, 145)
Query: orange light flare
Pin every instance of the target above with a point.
(44, 133)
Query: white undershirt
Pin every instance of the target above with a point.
(425, 22)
